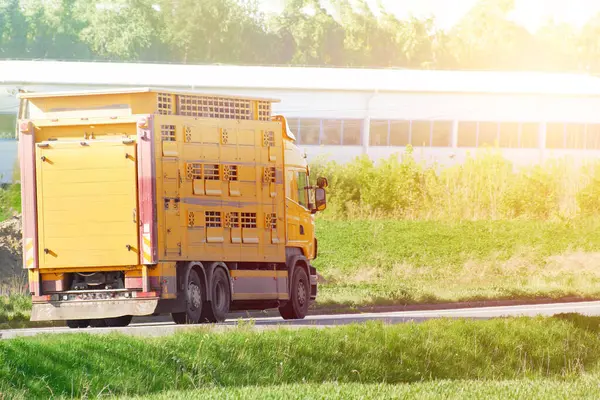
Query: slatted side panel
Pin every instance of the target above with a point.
(203, 106)
(230, 188)
(214, 107)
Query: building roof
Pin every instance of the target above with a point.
(196, 77)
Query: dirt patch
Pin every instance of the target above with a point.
(522, 267)
(11, 264)
(576, 263)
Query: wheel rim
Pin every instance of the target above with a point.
(301, 293)
(194, 296)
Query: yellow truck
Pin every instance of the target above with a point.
(145, 202)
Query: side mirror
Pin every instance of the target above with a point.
(322, 182)
(320, 199)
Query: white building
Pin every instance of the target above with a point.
(343, 113)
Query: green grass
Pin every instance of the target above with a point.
(406, 262)
(10, 201)
(532, 389)
(564, 350)
(411, 262)
(15, 311)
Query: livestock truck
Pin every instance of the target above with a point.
(145, 202)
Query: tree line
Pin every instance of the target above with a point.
(304, 33)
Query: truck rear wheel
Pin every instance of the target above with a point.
(121, 321)
(193, 302)
(78, 323)
(216, 307)
(297, 306)
(97, 323)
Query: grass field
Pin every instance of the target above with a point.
(14, 311)
(433, 358)
(407, 262)
(411, 262)
(532, 389)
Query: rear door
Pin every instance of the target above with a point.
(87, 204)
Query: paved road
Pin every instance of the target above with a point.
(591, 308)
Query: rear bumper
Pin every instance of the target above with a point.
(63, 310)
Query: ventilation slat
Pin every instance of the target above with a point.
(213, 107)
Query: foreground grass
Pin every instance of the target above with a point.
(563, 348)
(409, 262)
(586, 387)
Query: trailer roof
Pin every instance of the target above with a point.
(34, 95)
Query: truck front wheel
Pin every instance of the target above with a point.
(297, 305)
(193, 302)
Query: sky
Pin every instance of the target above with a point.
(530, 13)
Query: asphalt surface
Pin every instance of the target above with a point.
(160, 327)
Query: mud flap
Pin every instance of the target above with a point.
(92, 309)
(314, 279)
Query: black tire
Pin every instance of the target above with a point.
(78, 323)
(216, 307)
(97, 323)
(297, 306)
(84, 323)
(121, 321)
(180, 318)
(73, 323)
(193, 302)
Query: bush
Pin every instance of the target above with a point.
(485, 186)
(362, 188)
(589, 197)
(531, 194)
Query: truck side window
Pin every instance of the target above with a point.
(302, 189)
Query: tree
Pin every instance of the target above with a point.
(590, 45)
(316, 38)
(486, 39)
(222, 31)
(13, 31)
(53, 30)
(558, 48)
(345, 33)
(120, 29)
(364, 42)
(417, 41)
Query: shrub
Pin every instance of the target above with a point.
(589, 197)
(485, 186)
